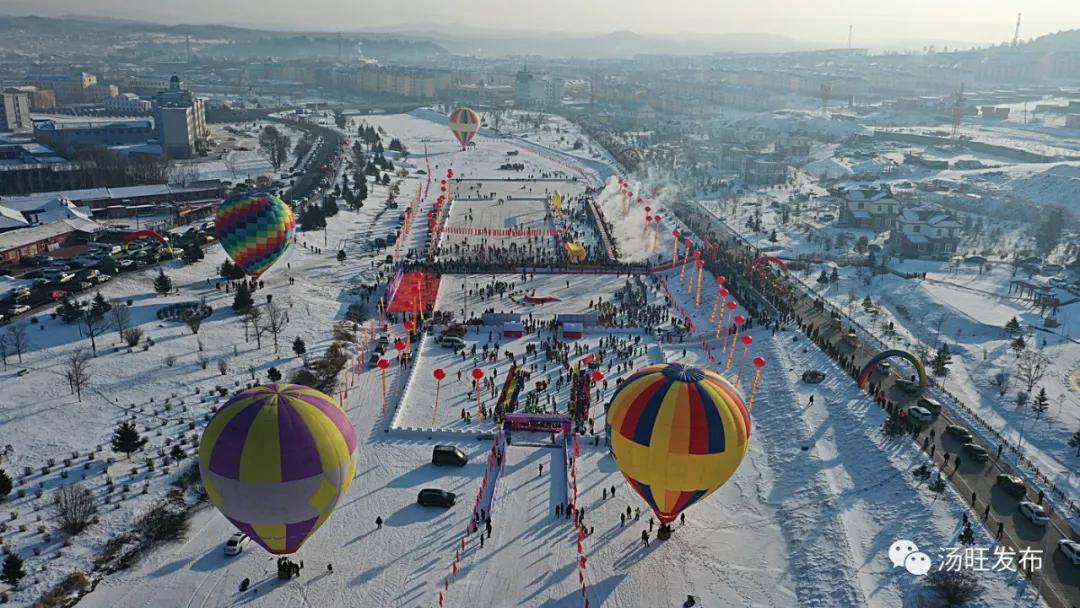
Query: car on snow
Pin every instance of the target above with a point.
(933, 405)
(977, 452)
(17, 309)
(1012, 485)
(1034, 513)
(457, 329)
(448, 455)
(434, 497)
(452, 342)
(960, 433)
(920, 414)
(236, 543)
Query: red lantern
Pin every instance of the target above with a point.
(759, 362)
(400, 345)
(739, 319)
(697, 254)
(721, 279)
(656, 218)
(747, 340)
(409, 325)
(724, 293)
(587, 359)
(439, 373)
(648, 218)
(700, 264)
(630, 194)
(597, 376)
(648, 209)
(449, 173)
(732, 305)
(477, 373)
(688, 242)
(384, 363)
(675, 233)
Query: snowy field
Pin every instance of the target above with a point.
(573, 293)
(807, 520)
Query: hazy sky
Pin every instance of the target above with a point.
(818, 20)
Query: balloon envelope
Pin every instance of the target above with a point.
(255, 230)
(276, 460)
(677, 433)
(464, 122)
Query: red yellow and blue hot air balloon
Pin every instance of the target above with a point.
(276, 460)
(464, 122)
(255, 230)
(678, 433)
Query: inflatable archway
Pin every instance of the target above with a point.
(768, 259)
(143, 234)
(878, 358)
(575, 252)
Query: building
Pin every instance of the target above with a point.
(145, 85)
(531, 91)
(41, 239)
(114, 133)
(69, 89)
(128, 104)
(869, 208)
(15, 111)
(33, 167)
(112, 202)
(11, 219)
(925, 232)
(180, 117)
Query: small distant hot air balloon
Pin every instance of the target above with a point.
(276, 460)
(255, 230)
(464, 122)
(678, 433)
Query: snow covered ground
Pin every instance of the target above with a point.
(807, 520)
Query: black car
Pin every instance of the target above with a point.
(1012, 485)
(434, 497)
(933, 405)
(960, 433)
(448, 455)
(36, 260)
(977, 452)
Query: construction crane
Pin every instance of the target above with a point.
(1016, 35)
(958, 113)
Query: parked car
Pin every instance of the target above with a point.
(34, 274)
(1071, 549)
(1035, 514)
(1012, 485)
(434, 497)
(17, 309)
(236, 543)
(960, 433)
(920, 414)
(977, 452)
(101, 278)
(448, 455)
(452, 342)
(36, 260)
(457, 329)
(933, 405)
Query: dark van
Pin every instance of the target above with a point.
(448, 455)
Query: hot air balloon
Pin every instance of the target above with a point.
(677, 434)
(276, 460)
(255, 230)
(464, 122)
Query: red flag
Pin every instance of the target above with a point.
(582, 562)
(454, 568)
(440, 598)
(581, 577)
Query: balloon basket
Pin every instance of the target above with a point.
(664, 532)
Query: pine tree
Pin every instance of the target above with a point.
(12, 570)
(967, 535)
(823, 277)
(242, 301)
(298, 346)
(126, 439)
(341, 256)
(329, 207)
(193, 253)
(1041, 403)
(99, 306)
(68, 310)
(1018, 345)
(772, 236)
(942, 360)
(361, 190)
(1013, 325)
(162, 284)
(835, 276)
(1021, 398)
(273, 374)
(312, 218)
(5, 484)
(177, 453)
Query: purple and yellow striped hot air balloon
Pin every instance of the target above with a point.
(464, 122)
(678, 433)
(276, 460)
(255, 230)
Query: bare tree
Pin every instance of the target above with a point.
(74, 507)
(18, 338)
(276, 319)
(1031, 366)
(77, 371)
(258, 326)
(121, 319)
(132, 336)
(1001, 382)
(193, 321)
(94, 326)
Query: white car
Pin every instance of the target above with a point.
(1071, 549)
(236, 543)
(920, 414)
(1034, 513)
(17, 309)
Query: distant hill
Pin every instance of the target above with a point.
(1065, 40)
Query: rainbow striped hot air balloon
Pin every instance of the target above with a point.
(276, 460)
(464, 122)
(678, 433)
(255, 230)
